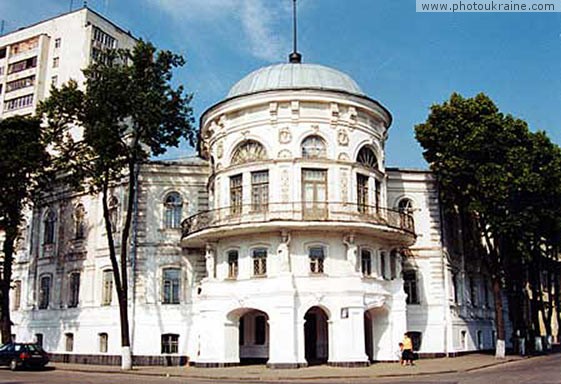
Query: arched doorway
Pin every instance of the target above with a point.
(377, 335)
(253, 337)
(316, 336)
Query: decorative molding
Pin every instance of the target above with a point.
(284, 154)
(344, 182)
(219, 150)
(342, 137)
(285, 185)
(343, 157)
(285, 136)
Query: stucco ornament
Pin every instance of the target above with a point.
(285, 136)
(220, 150)
(209, 261)
(342, 138)
(352, 251)
(283, 252)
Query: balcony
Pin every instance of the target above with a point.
(322, 216)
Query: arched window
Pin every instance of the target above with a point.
(367, 158)
(173, 206)
(79, 221)
(313, 147)
(113, 212)
(405, 205)
(49, 235)
(248, 151)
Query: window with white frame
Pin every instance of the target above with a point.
(259, 191)
(170, 343)
(233, 264)
(173, 206)
(49, 228)
(314, 147)
(171, 285)
(367, 158)
(74, 289)
(317, 257)
(259, 256)
(362, 192)
(17, 295)
(366, 262)
(107, 288)
(410, 286)
(248, 151)
(79, 222)
(113, 206)
(103, 342)
(44, 291)
(236, 194)
(69, 342)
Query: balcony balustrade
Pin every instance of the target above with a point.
(301, 211)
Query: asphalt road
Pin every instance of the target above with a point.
(542, 370)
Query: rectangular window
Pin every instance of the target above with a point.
(456, 287)
(236, 194)
(103, 342)
(39, 339)
(383, 265)
(362, 193)
(473, 291)
(54, 81)
(69, 342)
(170, 343)
(107, 292)
(259, 191)
(260, 262)
(17, 295)
(410, 287)
(232, 264)
(378, 187)
(171, 285)
(74, 286)
(366, 262)
(1, 71)
(479, 340)
(44, 292)
(22, 65)
(56, 62)
(57, 42)
(18, 103)
(260, 330)
(314, 193)
(3, 52)
(316, 255)
(20, 84)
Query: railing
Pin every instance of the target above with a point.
(297, 211)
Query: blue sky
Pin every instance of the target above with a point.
(404, 59)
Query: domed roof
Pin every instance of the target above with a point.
(291, 76)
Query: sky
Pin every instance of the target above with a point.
(408, 61)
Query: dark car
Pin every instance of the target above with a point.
(23, 355)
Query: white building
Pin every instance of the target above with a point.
(52, 52)
(298, 246)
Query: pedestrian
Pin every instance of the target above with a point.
(400, 353)
(407, 354)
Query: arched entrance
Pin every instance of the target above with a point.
(253, 337)
(316, 336)
(377, 335)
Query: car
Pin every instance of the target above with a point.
(23, 355)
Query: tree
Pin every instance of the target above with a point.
(482, 163)
(22, 158)
(128, 112)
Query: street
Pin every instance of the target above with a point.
(541, 370)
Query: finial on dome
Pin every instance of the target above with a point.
(294, 57)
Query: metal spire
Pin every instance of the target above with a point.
(294, 57)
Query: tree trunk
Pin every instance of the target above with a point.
(120, 283)
(5, 283)
(499, 319)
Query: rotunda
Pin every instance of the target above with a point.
(301, 252)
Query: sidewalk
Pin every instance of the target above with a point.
(260, 372)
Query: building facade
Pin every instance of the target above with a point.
(287, 242)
